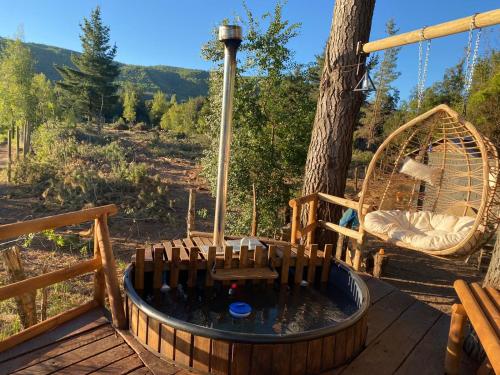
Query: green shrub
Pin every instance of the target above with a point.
(73, 173)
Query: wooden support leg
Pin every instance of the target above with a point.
(455, 340)
(109, 269)
(340, 246)
(358, 257)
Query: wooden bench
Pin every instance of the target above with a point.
(481, 307)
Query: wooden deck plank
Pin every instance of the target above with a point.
(387, 310)
(378, 288)
(98, 361)
(86, 322)
(55, 349)
(386, 354)
(140, 371)
(430, 351)
(123, 366)
(73, 356)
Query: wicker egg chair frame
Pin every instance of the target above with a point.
(468, 183)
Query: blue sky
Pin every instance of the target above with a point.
(171, 32)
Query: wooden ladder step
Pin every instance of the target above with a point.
(260, 273)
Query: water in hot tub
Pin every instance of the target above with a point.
(276, 309)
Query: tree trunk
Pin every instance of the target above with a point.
(338, 106)
(493, 275)
(26, 303)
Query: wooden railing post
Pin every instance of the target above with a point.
(191, 212)
(311, 219)
(109, 269)
(296, 209)
(99, 282)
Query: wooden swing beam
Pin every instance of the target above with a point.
(485, 19)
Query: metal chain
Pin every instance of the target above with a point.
(471, 65)
(422, 68)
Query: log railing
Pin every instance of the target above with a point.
(310, 203)
(102, 264)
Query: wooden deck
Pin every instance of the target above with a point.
(405, 336)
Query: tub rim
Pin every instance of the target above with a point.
(254, 338)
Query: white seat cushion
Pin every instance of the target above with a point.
(421, 230)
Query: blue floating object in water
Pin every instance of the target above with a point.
(240, 309)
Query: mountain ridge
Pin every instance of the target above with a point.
(183, 82)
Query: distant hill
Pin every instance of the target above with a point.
(182, 82)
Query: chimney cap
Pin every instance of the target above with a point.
(229, 32)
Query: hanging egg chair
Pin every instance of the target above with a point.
(433, 186)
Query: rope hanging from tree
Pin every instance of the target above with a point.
(470, 61)
(422, 67)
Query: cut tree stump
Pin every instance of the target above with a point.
(26, 303)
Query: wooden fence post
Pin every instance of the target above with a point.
(9, 162)
(313, 208)
(296, 208)
(17, 143)
(191, 212)
(109, 269)
(356, 179)
(26, 302)
(24, 139)
(254, 211)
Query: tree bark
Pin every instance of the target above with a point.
(492, 277)
(338, 106)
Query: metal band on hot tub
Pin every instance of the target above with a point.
(354, 280)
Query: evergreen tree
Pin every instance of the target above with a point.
(376, 112)
(90, 86)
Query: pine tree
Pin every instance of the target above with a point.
(386, 97)
(90, 86)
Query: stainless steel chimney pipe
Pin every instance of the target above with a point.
(230, 35)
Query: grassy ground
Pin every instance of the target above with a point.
(174, 159)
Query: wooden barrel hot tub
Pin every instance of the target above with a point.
(222, 352)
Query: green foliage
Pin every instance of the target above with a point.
(183, 117)
(159, 106)
(185, 83)
(274, 108)
(17, 101)
(130, 98)
(90, 87)
(70, 168)
(483, 108)
(376, 111)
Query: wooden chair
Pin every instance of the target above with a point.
(481, 307)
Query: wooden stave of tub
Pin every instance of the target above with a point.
(235, 357)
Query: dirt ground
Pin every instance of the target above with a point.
(427, 278)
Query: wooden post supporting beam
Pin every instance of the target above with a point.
(431, 32)
(111, 277)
